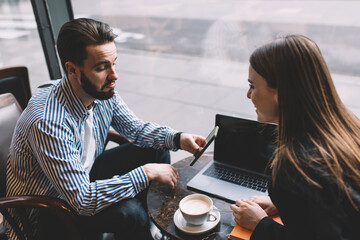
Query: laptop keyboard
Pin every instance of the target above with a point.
(243, 178)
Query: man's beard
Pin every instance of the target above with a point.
(90, 88)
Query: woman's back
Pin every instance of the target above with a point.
(310, 212)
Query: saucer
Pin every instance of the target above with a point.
(181, 223)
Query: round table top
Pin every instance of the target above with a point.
(163, 202)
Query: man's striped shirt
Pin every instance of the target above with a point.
(47, 146)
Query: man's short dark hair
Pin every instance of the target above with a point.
(77, 34)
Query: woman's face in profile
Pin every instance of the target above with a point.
(264, 98)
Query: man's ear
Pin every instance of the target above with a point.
(71, 68)
(276, 97)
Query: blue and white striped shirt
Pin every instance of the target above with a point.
(46, 149)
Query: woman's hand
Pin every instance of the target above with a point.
(266, 204)
(247, 214)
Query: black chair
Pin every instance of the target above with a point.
(15, 80)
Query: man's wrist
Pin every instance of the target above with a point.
(147, 171)
(177, 140)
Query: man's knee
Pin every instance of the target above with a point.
(127, 219)
(132, 213)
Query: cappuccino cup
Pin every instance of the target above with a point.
(196, 209)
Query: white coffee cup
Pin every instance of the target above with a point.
(196, 209)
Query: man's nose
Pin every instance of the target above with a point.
(113, 75)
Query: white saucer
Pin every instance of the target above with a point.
(181, 223)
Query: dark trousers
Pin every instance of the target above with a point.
(127, 219)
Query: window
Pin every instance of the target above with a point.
(181, 62)
(19, 40)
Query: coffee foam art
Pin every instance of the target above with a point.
(195, 206)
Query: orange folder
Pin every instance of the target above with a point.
(240, 233)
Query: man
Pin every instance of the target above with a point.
(57, 149)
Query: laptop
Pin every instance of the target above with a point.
(242, 151)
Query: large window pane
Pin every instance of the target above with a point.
(181, 62)
(19, 40)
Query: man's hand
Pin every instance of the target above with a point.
(164, 173)
(247, 214)
(192, 143)
(266, 204)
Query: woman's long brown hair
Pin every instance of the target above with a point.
(310, 109)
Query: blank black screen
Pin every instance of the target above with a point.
(244, 143)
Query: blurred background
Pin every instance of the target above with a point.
(181, 62)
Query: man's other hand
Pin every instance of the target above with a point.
(192, 143)
(164, 173)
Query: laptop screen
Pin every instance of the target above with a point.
(244, 143)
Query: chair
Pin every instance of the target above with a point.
(9, 113)
(15, 80)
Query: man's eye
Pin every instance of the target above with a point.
(251, 86)
(104, 67)
(101, 68)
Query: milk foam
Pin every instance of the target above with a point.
(195, 206)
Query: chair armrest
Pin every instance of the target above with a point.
(116, 137)
(54, 205)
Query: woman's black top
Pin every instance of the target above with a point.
(309, 212)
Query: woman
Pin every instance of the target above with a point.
(316, 169)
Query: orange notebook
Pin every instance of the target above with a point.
(240, 233)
